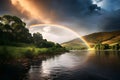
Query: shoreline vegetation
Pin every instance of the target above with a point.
(15, 62)
(19, 47)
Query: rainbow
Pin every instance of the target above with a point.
(63, 27)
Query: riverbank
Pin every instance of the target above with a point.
(24, 55)
(15, 62)
(27, 52)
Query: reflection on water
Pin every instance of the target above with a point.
(78, 65)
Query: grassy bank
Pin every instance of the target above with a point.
(12, 53)
(15, 61)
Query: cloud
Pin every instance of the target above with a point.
(28, 8)
(83, 16)
(112, 5)
(62, 12)
(112, 21)
(47, 29)
(56, 34)
(46, 10)
(5, 6)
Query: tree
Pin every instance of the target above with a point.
(58, 45)
(37, 39)
(99, 46)
(49, 44)
(13, 29)
(116, 47)
(106, 46)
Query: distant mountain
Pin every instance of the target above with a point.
(104, 37)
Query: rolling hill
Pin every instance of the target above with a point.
(104, 37)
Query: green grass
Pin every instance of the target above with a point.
(15, 52)
(19, 52)
(8, 53)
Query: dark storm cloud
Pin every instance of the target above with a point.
(112, 21)
(5, 6)
(73, 8)
(112, 4)
(81, 13)
(77, 14)
(67, 11)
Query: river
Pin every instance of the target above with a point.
(77, 65)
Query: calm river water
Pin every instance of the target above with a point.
(77, 65)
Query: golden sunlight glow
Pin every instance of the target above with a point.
(63, 27)
(31, 10)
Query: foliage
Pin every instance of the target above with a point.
(43, 43)
(17, 43)
(100, 46)
(13, 31)
(37, 39)
(11, 53)
(116, 47)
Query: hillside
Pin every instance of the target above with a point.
(104, 37)
(74, 44)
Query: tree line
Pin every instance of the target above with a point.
(100, 46)
(13, 30)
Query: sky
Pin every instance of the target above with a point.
(81, 16)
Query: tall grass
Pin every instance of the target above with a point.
(9, 53)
